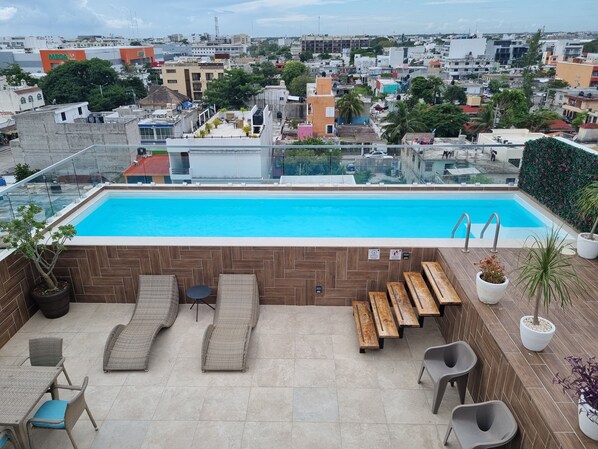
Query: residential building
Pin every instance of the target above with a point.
(29, 62)
(29, 43)
(275, 98)
(149, 168)
(578, 103)
(460, 68)
(363, 63)
(214, 49)
(506, 51)
(577, 74)
(512, 155)
(462, 48)
(388, 86)
(54, 132)
(404, 55)
(240, 39)
(332, 44)
(117, 56)
(320, 107)
(191, 77)
(19, 99)
(227, 152)
(555, 50)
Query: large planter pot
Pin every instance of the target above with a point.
(586, 425)
(490, 293)
(53, 305)
(535, 340)
(586, 248)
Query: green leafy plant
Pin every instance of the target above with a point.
(31, 238)
(587, 202)
(217, 122)
(546, 274)
(246, 129)
(23, 171)
(492, 270)
(208, 128)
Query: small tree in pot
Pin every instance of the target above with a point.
(583, 384)
(587, 202)
(31, 238)
(545, 274)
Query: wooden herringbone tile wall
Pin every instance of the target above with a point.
(16, 278)
(285, 275)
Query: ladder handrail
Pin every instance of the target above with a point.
(494, 214)
(464, 215)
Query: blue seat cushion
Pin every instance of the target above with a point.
(3, 440)
(54, 410)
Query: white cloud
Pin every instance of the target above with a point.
(7, 13)
(115, 21)
(253, 5)
(283, 20)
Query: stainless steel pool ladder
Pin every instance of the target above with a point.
(494, 214)
(467, 217)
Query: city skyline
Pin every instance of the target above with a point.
(70, 18)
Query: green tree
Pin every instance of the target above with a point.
(510, 106)
(298, 86)
(445, 119)
(15, 75)
(325, 56)
(233, 90)
(531, 59)
(484, 120)
(305, 56)
(557, 84)
(266, 73)
(496, 86)
(591, 47)
(184, 41)
(429, 90)
(349, 106)
(313, 161)
(23, 171)
(400, 122)
(579, 119)
(135, 43)
(292, 70)
(455, 94)
(539, 121)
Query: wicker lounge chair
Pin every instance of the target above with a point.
(225, 343)
(128, 347)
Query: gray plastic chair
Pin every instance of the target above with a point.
(47, 351)
(60, 414)
(448, 363)
(482, 426)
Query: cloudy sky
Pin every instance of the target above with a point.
(150, 18)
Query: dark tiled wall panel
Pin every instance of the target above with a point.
(16, 278)
(285, 275)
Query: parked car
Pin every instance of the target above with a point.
(378, 154)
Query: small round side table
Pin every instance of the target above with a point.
(199, 293)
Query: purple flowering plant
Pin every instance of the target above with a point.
(582, 383)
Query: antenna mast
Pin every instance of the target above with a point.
(216, 30)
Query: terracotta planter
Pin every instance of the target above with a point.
(53, 305)
(587, 425)
(489, 293)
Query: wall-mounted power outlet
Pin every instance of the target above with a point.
(319, 289)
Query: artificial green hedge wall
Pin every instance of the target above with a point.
(553, 172)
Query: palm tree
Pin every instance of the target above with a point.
(349, 106)
(400, 122)
(484, 120)
(437, 87)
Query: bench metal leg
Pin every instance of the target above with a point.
(421, 321)
(441, 310)
(381, 343)
(401, 331)
(361, 351)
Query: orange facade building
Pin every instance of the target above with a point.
(320, 107)
(116, 55)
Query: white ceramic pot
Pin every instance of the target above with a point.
(586, 425)
(586, 248)
(490, 293)
(534, 340)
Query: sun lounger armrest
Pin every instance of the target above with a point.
(205, 344)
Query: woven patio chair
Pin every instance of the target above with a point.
(128, 346)
(60, 414)
(482, 426)
(226, 341)
(47, 351)
(7, 436)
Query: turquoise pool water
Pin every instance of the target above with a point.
(398, 216)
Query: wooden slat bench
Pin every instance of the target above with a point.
(422, 297)
(385, 324)
(406, 316)
(443, 290)
(366, 330)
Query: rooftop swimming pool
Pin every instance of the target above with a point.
(305, 215)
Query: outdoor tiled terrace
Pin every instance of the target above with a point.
(307, 386)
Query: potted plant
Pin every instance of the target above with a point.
(217, 122)
(583, 384)
(545, 275)
(32, 238)
(491, 282)
(246, 130)
(587, 202)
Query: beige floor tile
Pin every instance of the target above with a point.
(225, 404)
(270, 404)
(135, 403)
(169, 434)
(365, 436)
(315, 405)
(218, 435)
(407, 407)
(411, 436)
(355, 373)
(83, 433)
(180, 404)
(100, 399)
(120, 435)
(360, 405)
(397, 374)
(267, 435)
(273, 373)
(307, 435)
(279, 346)
(314, 373)
(186, 372)
(313, 347)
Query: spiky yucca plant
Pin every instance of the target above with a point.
(587, 202)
